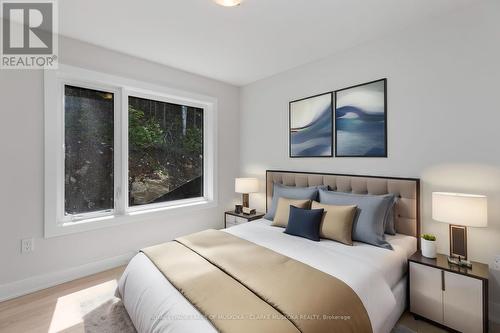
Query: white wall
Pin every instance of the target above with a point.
(21, 167)
(443, 115)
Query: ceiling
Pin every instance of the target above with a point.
(242, 44)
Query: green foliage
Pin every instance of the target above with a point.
(165, 147)
(193, 141)
(143, 133)
(429, 237)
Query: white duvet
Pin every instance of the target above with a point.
(154, 305)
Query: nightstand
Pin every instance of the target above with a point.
(451, 296)
(231, 218)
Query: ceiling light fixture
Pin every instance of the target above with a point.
(228, 3)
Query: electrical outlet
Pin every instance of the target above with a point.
(27, 245)
(496, 264)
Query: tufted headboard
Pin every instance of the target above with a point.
(407, 190)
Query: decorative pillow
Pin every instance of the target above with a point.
(304, 223)
(369, 226)
(291, 192)
(337, 221)
(390, 227)
(389, 218)
(283, 210)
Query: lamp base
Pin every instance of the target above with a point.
(245, 200)
(458, 242)
(459, 262)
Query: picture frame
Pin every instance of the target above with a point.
(360, 120)
(311, 126)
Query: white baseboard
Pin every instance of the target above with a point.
(39, 282)
(494, 312)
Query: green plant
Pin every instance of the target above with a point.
(193, 141)
(429, 237)
(143, 133)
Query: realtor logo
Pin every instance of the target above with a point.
(29, 39)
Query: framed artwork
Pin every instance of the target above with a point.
(311, 126)
(361, 120)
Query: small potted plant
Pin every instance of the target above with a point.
(428, 246)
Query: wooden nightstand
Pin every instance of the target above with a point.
(231, 218)
(451, 296)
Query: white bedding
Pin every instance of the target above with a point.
(154, 305)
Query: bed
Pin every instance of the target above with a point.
(378, 276)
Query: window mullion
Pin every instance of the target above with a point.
(117, 161)
(123, 152)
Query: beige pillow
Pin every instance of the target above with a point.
(337, 222)
(283, 210)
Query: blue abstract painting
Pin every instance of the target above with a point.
(311, 127)
(360, 121)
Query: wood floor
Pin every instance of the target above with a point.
(58, 309)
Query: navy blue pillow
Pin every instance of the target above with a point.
(304, 223)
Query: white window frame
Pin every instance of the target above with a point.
(55, 222)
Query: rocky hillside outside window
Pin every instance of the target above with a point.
(88, 150)
(165, 151)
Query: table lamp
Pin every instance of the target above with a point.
(245, 186)
(459, 211)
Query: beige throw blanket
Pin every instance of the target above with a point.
(242, 287)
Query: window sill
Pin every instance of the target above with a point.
(137, 215)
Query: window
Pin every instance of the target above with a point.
(129, 150)
(165, 151)
(88, 150)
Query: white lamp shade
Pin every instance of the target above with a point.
(246, 185)
(461, 209)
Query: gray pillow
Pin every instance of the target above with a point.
(291, 192)
(389, 217)
(371, 213)
(390, 227)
